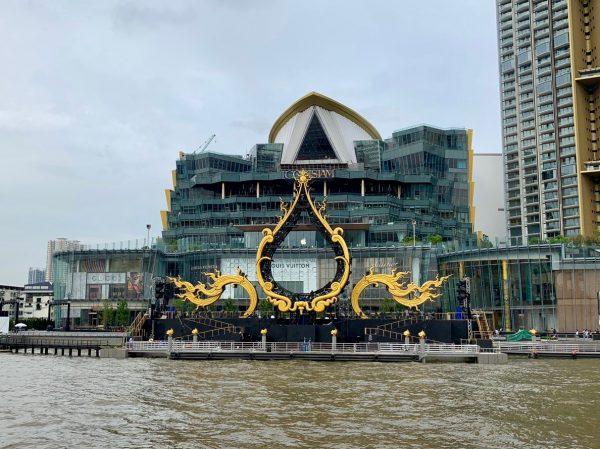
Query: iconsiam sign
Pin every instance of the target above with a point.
(407, 294)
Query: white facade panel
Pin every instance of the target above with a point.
(488, 197)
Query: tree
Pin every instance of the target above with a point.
(122, 314)
(535, 241)
(559, 239)
(107, 314)
(37, 323)
(229, 305)
(408, 239)
(183, 306)
(485, 242)
(578, 240)
(387, 305)
(594, 239)
(265, 307)
(435, 239)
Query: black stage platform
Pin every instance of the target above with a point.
(349, 330)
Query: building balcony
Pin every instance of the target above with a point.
(591, 168)
(589, 77)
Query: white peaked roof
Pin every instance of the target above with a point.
(341, 125)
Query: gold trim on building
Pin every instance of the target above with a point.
(584, 36)
(164, 220)
(317, 99)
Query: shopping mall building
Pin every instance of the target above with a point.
(392, 197)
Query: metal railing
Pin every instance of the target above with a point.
(16, 341)
(54, 334)
(547, 347)
(233, 346)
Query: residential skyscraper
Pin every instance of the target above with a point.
(549, 79)
(36, 275)
(60, 244)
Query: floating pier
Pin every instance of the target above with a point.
(72, 344)
(367, 352)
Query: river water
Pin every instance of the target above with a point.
(56, 402)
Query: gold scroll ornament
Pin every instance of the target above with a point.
(409, 295)
(322, 301)
(203, 296)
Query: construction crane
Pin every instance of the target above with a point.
(205, 145)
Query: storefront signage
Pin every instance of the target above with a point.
(302, 271)
(106, 278)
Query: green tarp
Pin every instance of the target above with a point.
(519, 336)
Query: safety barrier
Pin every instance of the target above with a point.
(547, 347)
(232, 346)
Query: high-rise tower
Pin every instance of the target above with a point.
(60, 244)
(548, 52)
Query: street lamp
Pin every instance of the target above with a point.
(414, 224)
(148, 226)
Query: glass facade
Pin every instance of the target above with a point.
(419, 174)
(88, 278)
(537, 286)
(316, 145)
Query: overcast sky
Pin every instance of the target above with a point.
(97, 98)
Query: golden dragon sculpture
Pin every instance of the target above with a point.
(202, 295)
(407, 294)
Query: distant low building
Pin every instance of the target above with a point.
(9, 295)
(36, 300)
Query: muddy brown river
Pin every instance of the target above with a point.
(61, 402)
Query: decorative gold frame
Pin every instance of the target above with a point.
(409, 295)
(319, 300)
(202, 296)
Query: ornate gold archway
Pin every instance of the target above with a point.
(280, 297)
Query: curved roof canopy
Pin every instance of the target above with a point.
(326, 123)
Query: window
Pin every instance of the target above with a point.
(569, 191)
(94, 292)
(316, 145)
(571, 222)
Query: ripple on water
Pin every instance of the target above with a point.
(51, 402)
